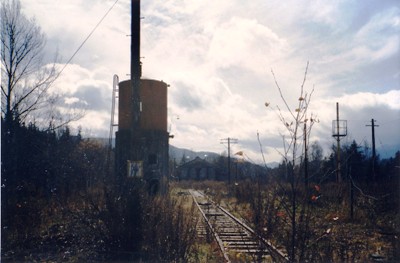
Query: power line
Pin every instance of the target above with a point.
(84, 41)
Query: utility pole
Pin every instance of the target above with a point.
(373, 125)
(339, 129)
(338, 168)
(135, 136)
(229, 141)
(135, 62)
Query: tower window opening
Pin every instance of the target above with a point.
(152, 158)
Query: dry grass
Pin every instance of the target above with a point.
(332, 235)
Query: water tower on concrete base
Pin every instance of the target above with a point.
(142, 140)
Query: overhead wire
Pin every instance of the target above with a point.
(84, 41)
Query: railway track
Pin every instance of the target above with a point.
(236, 240)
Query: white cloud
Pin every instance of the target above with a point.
(93, 124)
(379, 38)
(390, 48)
(71, 100)
(245, 43)
(323, 12)
(74, 77)
(217, 56)
(385, 21)
(362, 100)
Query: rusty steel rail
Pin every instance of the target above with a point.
(233, 235)
(210, 226)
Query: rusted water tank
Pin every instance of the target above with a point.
(153, 96)
(124, 105)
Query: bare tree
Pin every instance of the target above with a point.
(294, 155)
(25, 76)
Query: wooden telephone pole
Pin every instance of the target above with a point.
(229, 141)
(373, 125)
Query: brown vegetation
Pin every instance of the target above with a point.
(326, 232)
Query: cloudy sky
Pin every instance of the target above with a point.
(217, 57)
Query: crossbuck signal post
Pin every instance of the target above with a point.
(229, 141)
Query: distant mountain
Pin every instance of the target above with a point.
(174, 152)
(179, 153)
(273, 165)
(384, 151)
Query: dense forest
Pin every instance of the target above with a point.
(60, 201)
